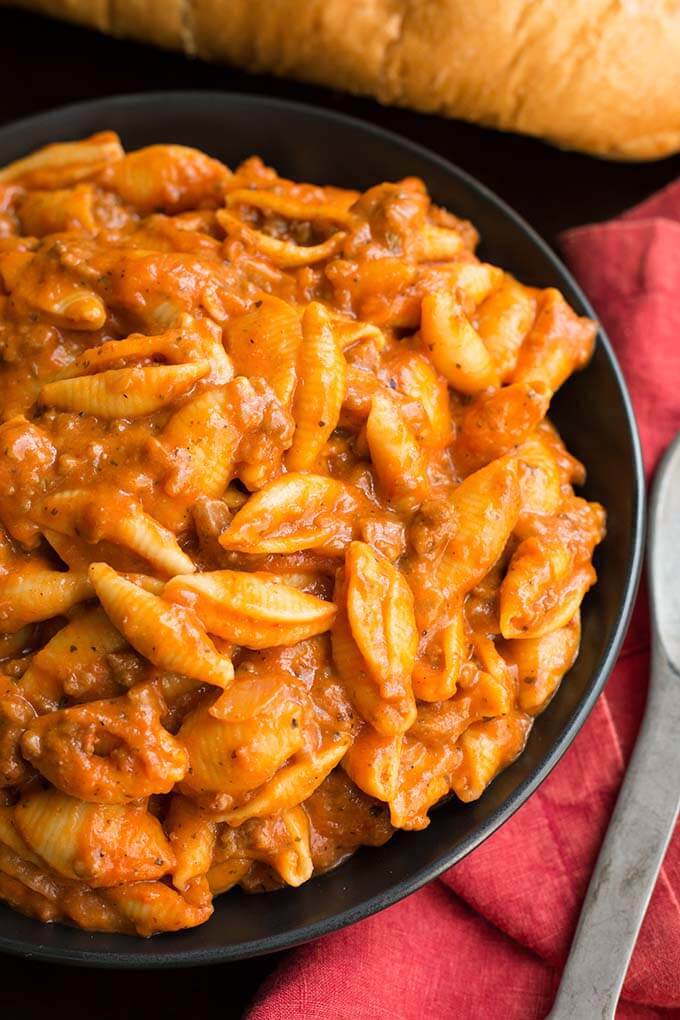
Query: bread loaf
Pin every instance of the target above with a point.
(596, 75)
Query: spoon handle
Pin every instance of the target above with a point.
(629, 860)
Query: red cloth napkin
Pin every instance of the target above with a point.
(490, 937)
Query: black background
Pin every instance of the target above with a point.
(45, 64)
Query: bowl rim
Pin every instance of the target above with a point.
(133, 959)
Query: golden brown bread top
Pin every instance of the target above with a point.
(596, 75)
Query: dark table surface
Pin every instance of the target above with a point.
(45, 64)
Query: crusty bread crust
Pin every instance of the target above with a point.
(585, 74)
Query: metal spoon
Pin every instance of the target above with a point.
(647, 807)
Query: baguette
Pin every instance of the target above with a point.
(593, 75)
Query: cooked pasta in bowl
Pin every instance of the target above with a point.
(291, 549)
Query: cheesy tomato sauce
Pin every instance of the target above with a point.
(289, 550)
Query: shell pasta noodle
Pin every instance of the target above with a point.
(290, 551)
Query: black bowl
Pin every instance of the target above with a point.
(592, 412)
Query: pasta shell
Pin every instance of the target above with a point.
(558, 343)
(36, 594)
(79, 555)
(12, 266)
(398, 459)
(264, 342)
(63, 163)
(532, 585)
(487, 748)
(361, 387)
(192, 837)
(491, 696)
(102, 845)
(541, 663)
(495, 665)
(10, 837)
(253, 693)
(496, 422)
(152, 907)
(267, 430)
(320, 389)
(168, 177)
(440, 657)
(281, 843)
(539, 477)
(382, 618)
(473, 281)
(46, 286)
(168, 635)
(227, 874)
(155, 288)
(28, 454)
(87, 908)
(204, 339)
(52, 212)
(542, 589)
(292, 784)
(349, 332)
(487, 506)
(193, 340)
(294, 208)
(32, 876)
(503, 321)
(389, 706)
(234, 756)
(152, 584)
(372, 762)
(579, 526)
(254, 610)
(285, 254)
(295, 512)
(124, 392)
(153, 542)
(454, 346)
(417, 379)
(100, 517)
(422, 783)
(76, 554)
(110, 751)
(74, 308)
(200, 442)
(19, 897)
(293, 861)
(78, 648)
(437, 244)
(431, 749)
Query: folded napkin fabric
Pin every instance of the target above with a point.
(490, 937)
